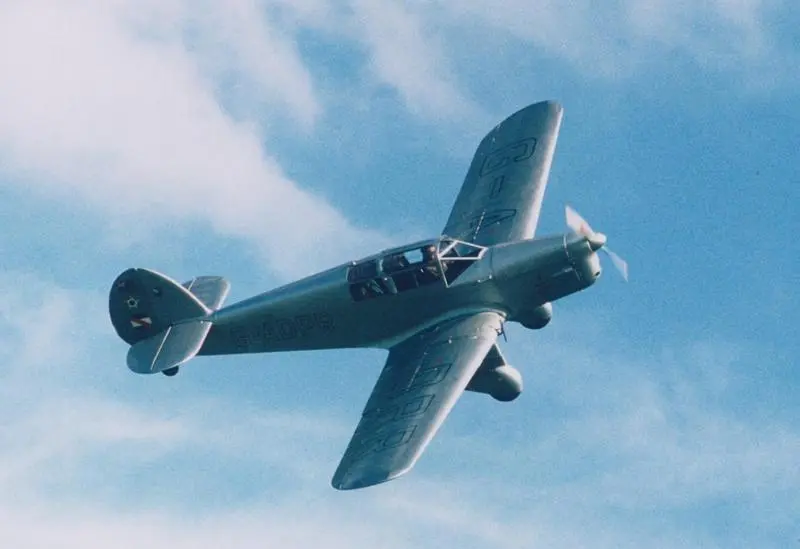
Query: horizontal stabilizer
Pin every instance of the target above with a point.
(169, 348)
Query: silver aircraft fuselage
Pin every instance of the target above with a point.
(516, 279)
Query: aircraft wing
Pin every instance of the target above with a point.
(502, 194)
(421, 381)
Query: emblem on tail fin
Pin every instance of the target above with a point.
(141, 322)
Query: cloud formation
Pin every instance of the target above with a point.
(618, 38)
(155, 112)
(109, 104)
(405, 55)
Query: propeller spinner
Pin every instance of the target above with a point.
(597, 241)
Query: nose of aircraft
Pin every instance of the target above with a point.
(596, 241)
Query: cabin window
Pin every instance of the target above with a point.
(436, 262)
(395, 273)
(362, 271)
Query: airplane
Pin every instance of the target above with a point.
(438, 306)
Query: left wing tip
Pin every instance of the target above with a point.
(354, 481)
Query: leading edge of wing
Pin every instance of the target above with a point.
(420, 383)
(502, 192)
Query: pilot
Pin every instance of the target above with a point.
(429, 271)
(429, 254)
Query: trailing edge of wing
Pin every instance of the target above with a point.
(420, 383)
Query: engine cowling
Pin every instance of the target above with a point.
(537, 318)
(503, 383)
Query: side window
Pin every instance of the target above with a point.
(395, 273)
(361, 271)
(366, 282)
(414, 256)
(413, 268)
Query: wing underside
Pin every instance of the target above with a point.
(420, 383)
(502, 193)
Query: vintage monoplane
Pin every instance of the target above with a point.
(438, 305)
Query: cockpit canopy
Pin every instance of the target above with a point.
(437, 261)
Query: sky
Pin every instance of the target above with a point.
(267, 140)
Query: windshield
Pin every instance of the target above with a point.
(457, 256)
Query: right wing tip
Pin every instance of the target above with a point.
(553, 103)
(548, 104)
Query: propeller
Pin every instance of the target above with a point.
(597, 241)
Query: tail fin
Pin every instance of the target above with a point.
(210, 290)
(165, 322)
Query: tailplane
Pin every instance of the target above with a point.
(167, 350)
(165, 322)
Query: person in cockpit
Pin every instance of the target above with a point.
(429, 271)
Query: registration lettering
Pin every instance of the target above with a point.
(278, 329)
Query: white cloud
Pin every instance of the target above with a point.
(617, 38)
(257, 59)
(727, 33)
(92, 107)
(405, 54)
(154, 112)
(405, 51)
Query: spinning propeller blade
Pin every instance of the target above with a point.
(577, 223)
(619, 263)
(596, 240)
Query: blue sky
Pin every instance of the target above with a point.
(266, 140)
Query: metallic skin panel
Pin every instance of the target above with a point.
(420, 383)
(502, 193)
